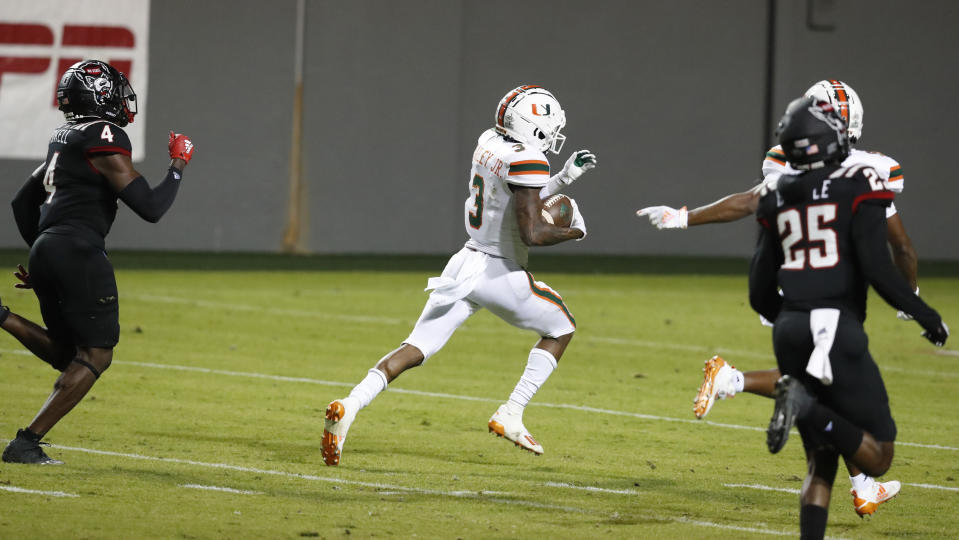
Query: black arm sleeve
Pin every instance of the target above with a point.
(763, 290)
(151, 204)
(26, 206)
(869, 235)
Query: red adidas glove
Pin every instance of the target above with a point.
(181, 147)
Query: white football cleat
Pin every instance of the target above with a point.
(339, 415)
(879, 492)
(717, 382)
(510, 426)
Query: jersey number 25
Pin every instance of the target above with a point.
(822, 249)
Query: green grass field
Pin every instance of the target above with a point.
(226, 363)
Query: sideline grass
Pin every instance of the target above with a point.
(418, 463)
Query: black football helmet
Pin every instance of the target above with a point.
(95, 88)
(812, 134)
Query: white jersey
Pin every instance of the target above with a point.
(775, 165)
(490, 217)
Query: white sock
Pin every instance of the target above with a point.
(538, 368)
(369, 387)
(861, 483)
(739, 380)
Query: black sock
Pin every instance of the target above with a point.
(812, 522)
(834, 429)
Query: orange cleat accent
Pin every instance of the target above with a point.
(331, 449)
(880, 493)
(340, 414)
(517, 433)
(711, 387)
(335, 411)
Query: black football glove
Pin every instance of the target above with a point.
(937, 336)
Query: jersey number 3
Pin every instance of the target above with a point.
(822, 249)
(476, 214)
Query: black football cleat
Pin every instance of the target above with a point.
(792, 399)
(26, 449)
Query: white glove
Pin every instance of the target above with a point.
(902, 315)
(578, 221)
(664, 217)
(578, 163)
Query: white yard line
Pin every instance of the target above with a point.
(762, 487)
(388, 489)
(582, 408)
(481, 495)
(37, 492)
(742, 529)
(591, 488)
(796, 491)
(223, 489)
(301, 313)
(931, 486)
(443, 395)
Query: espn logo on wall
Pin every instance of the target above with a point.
(39, 39)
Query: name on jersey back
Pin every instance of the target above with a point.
(483, 157)
(60, 135)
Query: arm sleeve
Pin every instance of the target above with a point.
(552, 187)
(151, 204)
(26, 206)
(774, 162)
(869, 236)
(763, 291)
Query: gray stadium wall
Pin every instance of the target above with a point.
(670, 95)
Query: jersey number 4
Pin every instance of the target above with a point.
(48, 177)
(822, 249)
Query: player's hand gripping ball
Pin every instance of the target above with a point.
(558, 210)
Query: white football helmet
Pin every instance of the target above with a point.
(845, 99)
(532, 116)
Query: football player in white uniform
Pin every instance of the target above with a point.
(508, 180)
(722, 380)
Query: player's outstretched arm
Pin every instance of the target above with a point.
(26, 205)
(870, 244)
(903, 254)
(729, 208)
(577, 164)
(532, 229)
(148, 203)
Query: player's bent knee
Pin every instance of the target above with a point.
(96, 360)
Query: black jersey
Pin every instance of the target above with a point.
(824, 241)
(79, 198)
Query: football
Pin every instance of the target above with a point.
(558, 210)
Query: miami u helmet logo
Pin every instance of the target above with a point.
(540, 110)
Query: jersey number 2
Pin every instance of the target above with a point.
(476, 215)
(790, 225)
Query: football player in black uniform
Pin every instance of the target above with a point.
(823, 242)
(64, 211)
